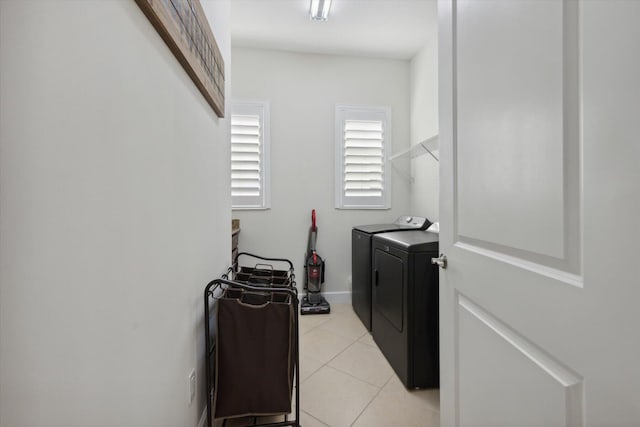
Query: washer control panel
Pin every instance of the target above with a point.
(416, 222)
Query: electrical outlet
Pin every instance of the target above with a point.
(192, 385)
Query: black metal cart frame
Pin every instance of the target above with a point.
(211, 292)
(250, 255)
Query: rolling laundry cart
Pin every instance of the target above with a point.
(252, 354)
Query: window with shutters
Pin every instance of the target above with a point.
(362, 148)
(250, 155)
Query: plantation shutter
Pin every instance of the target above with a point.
(363, 158)
(362, 146)
(245, 156)
(248, 157)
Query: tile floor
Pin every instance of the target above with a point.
(346, 381)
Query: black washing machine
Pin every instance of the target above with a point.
(404, 315)
(361, 260)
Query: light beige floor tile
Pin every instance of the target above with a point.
(306, 420)
(309, 421)
(304, 328)
(322, 345)
(395, 419)
(308, 366)
(335, 398)
(341, 308)
(347, 325)
(368, 339)
(364, 362)
(431, 397)
(310, 321)
(428, 397)
(396, 406)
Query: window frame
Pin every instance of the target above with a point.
(345, 112)
(260, 108)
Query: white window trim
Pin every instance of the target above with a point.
(360, 112)
(262, 108)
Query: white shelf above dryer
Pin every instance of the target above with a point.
(427, 146)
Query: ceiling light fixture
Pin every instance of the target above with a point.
(319, 10)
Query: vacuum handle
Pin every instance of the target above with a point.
(313, 220)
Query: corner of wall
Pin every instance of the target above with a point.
(424, 124)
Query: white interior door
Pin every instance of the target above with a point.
(540, 206)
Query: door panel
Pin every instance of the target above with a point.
(539, 205)
(516, 80)
(521, 384)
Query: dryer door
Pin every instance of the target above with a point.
(388, 314)
(388, 287)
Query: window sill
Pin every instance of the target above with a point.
(249, 208)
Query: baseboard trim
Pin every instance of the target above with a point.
(203, 418)
(339, 297)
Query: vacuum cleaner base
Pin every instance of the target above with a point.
(318, 306)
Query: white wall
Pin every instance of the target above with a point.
(114, 214)
(303, 90)
(424, 124)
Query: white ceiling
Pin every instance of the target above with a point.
(380, 28)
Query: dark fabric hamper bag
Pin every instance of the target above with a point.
(254, 355)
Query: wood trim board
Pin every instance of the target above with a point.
(183, 26)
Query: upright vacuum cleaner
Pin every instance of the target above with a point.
(313, 302)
